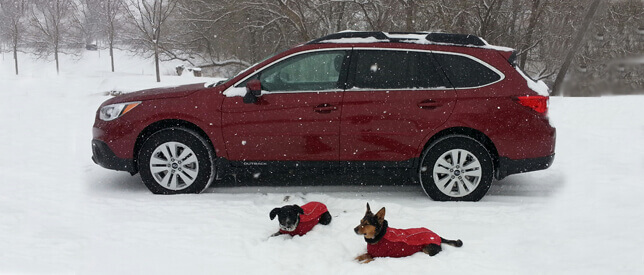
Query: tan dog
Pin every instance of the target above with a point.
(384, 241)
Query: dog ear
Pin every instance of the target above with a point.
(299, 209)
(274, 213)
(368, 208)
(381, 215)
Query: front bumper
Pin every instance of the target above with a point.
(103, 156)
(509, 166)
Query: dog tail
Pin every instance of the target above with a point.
(325, 218)
(457, 243)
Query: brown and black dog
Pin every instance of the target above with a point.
(384, 241)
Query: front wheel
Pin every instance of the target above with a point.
(456, 168)
(176, 161)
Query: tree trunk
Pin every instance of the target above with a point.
(112, 55)
(534, 17)
(56, 57)
(338, 25)
(57, 35)
(556, 90)
(110, 30)
(15, 45)
(409, 17)
(15, 57)
(295, 19)
(156, 61)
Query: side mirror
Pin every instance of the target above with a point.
(253, 91)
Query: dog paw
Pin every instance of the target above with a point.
(364, 258)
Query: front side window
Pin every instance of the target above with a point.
(465, 72)
(315, 71)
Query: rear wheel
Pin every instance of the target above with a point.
(176, 161)
(456, 168)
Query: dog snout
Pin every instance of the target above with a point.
(357, 230)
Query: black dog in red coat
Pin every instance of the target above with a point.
(296, 220)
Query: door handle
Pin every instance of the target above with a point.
(325, 108)
(429, 104)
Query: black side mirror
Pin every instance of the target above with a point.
(253, 91)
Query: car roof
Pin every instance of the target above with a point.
(433, 38)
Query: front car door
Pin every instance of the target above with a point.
(297, 117)
(394, 98)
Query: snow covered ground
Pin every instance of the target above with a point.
(61, 213)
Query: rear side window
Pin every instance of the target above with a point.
(376, 69)
(464, 72)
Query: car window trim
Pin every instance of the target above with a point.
(351, 71)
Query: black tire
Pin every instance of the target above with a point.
(172, 176)
(448, 156)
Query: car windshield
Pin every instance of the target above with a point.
(244, 70)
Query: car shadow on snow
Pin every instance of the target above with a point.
(541, 184)
(361, 182)
(537, 184)
(115, 182)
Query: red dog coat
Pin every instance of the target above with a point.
(312, 213)
(403, 242)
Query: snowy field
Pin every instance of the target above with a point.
(61, 213)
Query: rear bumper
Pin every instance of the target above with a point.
(103, 156)
(515, 166)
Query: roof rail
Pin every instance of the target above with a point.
(436, 37)
(340, 35)
(459, 39)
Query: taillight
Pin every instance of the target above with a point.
(537, 103)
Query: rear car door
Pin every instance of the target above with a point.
(297, 117)
(394, 99)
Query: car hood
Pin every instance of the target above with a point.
(158, 93)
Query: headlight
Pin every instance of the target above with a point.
(114, 111)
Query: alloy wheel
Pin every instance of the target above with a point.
(457, 173)
(174, 165)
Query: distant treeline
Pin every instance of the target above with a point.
(224, 36)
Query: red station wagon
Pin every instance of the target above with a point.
(451, 108)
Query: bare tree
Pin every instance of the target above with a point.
(150, 18)
(216, 29)
(109, 16)
(89, 19)
(55, 28)
(12, 20)
(378, 14)
(608, 59)
(575, 46)
(536, 11)
(226, 35)
(238, 32)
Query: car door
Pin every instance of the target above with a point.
(297, 117)
(394, 99)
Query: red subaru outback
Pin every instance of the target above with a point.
(451, 108)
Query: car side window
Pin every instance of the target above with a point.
(429, 74)
(392, 69)
(314, 71)
(464, 72)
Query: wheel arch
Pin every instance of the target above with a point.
(470, 132)
(163, 124)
